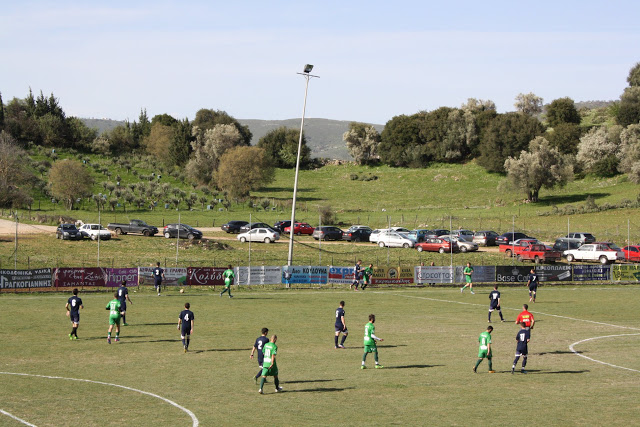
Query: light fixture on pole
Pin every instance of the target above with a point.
(307, 76)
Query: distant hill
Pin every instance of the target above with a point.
(324, 136)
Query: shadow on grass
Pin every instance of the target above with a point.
(104, 337)
(569, 198)
(540, 372)
(219, 349)
(152, 324)
(411, 366)
(556, 352)
(144, 342)
(320, 390)
(311, 381)
(391, 346)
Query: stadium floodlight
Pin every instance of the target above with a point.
(307, 76)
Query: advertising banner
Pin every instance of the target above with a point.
(115, 276)
(24, 279)
(553, 273)
(205, 276)
(513, 274)
(625, 273)
(306, 274)
(392, 276)
(172, 276)
(432, 275)
(258, 275)
(481, 274)
(583, 273)
(342, 275)
(77, 277)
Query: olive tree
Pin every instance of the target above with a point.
(69, 180)
(362, 141)
(243, 169)
(529, 104)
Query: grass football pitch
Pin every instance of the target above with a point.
(430, 346)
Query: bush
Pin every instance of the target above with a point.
(327, 215)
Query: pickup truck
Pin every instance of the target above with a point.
(135, 226)
(518, 246)
(604, 253)
(538, 254)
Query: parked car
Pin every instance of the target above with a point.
(602, 253)
(466, 235)
(261, 234)
(358, 227)
(393, 239)
(400, 229)
(135, 226)
(183, 231)
(632, 253)
(436, 244)
(253, 225)
(233, 226)
(463, 245)
(93, 231)
(327, 233)
(358, 235)
(509, 237)
(539, 254)
(280, 225)
(583, 237)
(439, 232)
(514, 248)
(375, 234)
(485, 238)
(419, 234)
(300, 228)
(565, 243)
(68, 232)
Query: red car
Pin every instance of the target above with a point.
(435, 244)
(632, 253)
(300, 228)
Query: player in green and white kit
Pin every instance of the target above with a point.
(485, 349)
(228, 280)
(114, 317)
(468, 271)
(370, 339)
(367, 273)
(269, 366)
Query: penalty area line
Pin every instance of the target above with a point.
(164, 399)
(16, 418)
(572, 348)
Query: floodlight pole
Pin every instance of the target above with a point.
(307, 76)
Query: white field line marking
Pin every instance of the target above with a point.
(164, 399)
(571, 347)
(513, 309)
(17, 419)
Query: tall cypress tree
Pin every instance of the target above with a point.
(1, 112)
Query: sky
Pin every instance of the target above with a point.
(375, 59)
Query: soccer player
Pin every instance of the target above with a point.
(158, 275)
(114, 317)
(468, 271)
(370, 339)
(526, 317)
(532, 283)
(494, 302)
(185, 325)
(485, 349)
(228, 276)
(74, 304)
(269, 366)
(522, 338)
(341, 326)
(123, 296)
(258, 346)
(356, 275)
(367, 273)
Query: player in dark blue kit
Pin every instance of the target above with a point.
(185, 325)
(357, 273)
(532, 283)
(494, 302)
(158, 275)
(123, 296)
(522, 338)
(259, 344)
(74, 304)
(341, 326)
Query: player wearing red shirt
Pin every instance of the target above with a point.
(526, 317)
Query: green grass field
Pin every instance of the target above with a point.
(429, 349)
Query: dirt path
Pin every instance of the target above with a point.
(9, 228)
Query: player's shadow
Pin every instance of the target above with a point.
(154, 324)
(128, 336)
(320, 389)
(411, 366)
(557, 352)
(391, 346)
(144, 342)
(540, 372)
(220, 349)
(311, 381)
(260, 298)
